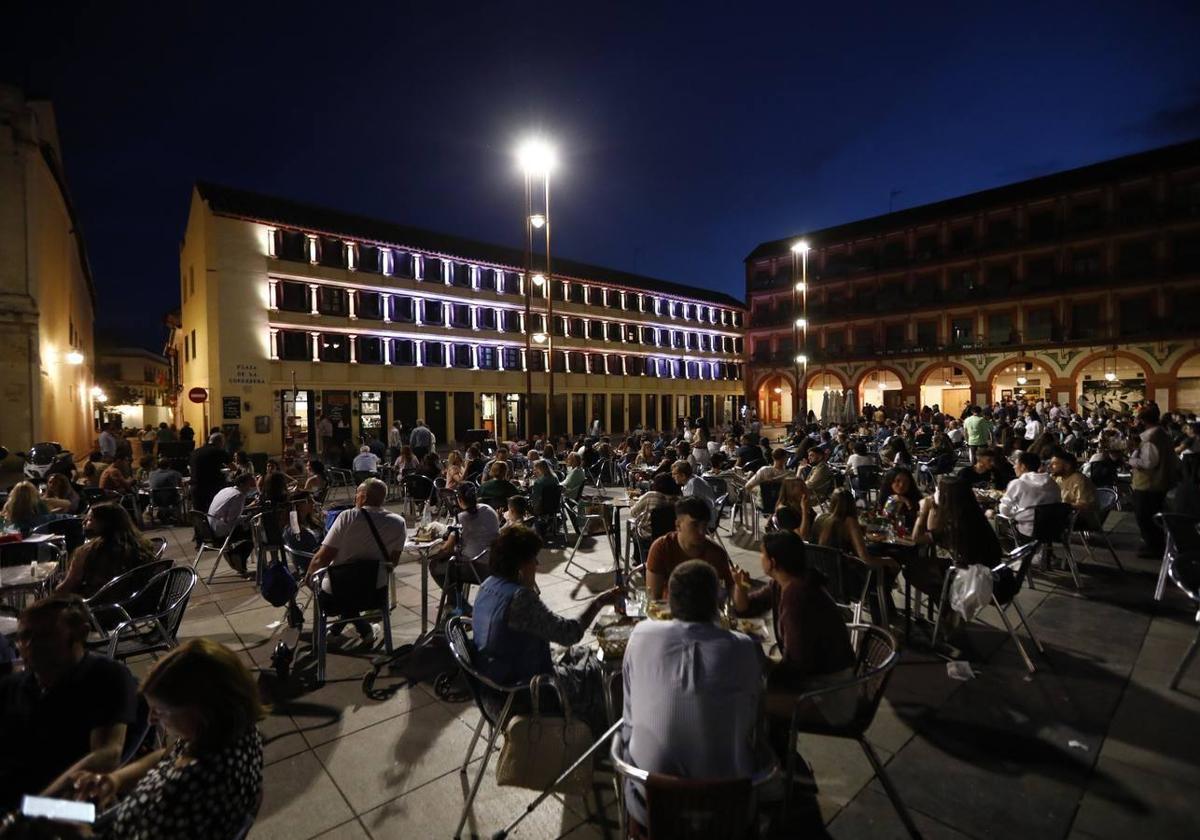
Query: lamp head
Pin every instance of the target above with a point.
(536, 157)
(800, 247)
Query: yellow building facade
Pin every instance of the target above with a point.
(291, 311)
(46, 297)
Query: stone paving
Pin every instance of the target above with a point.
(1093, 745)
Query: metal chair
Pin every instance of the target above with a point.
(354, 586)
(149, 621)
(864, 483)
(1182, 538)
(768, 498)
(207, 540)
(1052, 523)
(462, 648)
(1088, 526)
(120, 590)
(418, 489)
(698, 809)
(877, 656)
(842, 583)
(70, 528)
(159, 544)
(1184, 571)
(1004, 594)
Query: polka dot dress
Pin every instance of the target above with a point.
(207, 799)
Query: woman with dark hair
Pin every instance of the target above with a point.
(115, 547)
(513, 627)
(952, 521)
(476, 525)
(431, 467)
(207, 784)
(809, 627)
(898, 452)
(316, 481)
(899, 498)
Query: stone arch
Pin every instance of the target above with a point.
(897, 372)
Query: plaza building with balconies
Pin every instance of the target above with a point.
(291, 310)
(1076, 287)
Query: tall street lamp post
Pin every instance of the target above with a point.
(800, 329)
(537, 159)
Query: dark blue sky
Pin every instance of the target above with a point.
(687, 134)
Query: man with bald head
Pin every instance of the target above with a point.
(365, 531)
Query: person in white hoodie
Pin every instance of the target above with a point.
(1028, 490)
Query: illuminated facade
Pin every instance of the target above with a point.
(46, 296)
(290, 310)
(1077, 287)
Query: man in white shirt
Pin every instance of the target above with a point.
(777, 471)
(365, 461)
(692, 691)
(225, 517)
(395, 437)
(352, 538)
(692, 484)
(1028, 490)
(954, 432)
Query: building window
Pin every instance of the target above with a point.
(1085, 264)
(332, 301)
(370, 306)
(559, 361)
(369, 258)
(649, 336)
(432, 312)
(578, 328)
(1085, 320)
(577, 361)
(404, 352)
(962, 331)
(331, 252)
(510, 322)
(433, 354)
(403, 310)
(460, 275)
(536, 360)
(487, 357)
(1042, 226)
(487, 279)
(370, 350)
(511, 284)
(1135, 258)
(893, 336)
(1136, 314)
(292, 245)
(334, 348)
(1000, 328)
(485, 318)
(1039, 324)
(431, 268)
(460, 315)
(677, 339)
(596, 330)
(293, 297)
(461, 356)
(635, 366)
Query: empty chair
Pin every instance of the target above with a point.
(1184, 572)
(1183, 538)
(864, 483)
(110, 604)
(152, 616)
(1093, 526)
(877, 657)
(1008, 578)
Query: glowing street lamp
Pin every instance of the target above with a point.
(800, 331)
(537, 159)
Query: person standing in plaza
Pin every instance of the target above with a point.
(978, 431)
(421, 440)
(1154, 466)
(325, 434)
(395, 440)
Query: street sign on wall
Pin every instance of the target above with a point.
(198, 395)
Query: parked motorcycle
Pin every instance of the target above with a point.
(42, 458)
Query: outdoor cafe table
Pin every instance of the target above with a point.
(19, 577)
(423, 548)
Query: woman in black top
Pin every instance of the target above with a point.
(207, 785)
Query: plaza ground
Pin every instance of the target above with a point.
(1092, 745)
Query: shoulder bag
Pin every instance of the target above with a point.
(538, 749)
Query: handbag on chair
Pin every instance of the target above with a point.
(538, 749)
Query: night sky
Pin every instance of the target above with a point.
(687, 134)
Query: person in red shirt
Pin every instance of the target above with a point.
(689, 541)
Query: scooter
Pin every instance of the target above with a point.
(42, 458)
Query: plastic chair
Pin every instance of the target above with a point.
(1004, 594)
(877, 657)
(354, 584)
(462, 648)
(1184, 571)
(1183, 538)
(150, 620)
(697, 809)
(1088, 527)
